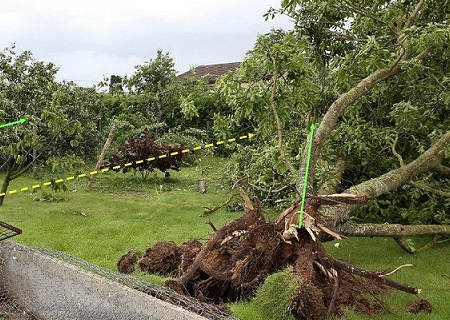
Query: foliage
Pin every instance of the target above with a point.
(198, 102)
(154, 75)
(189, 137)
(332, 47)
(153, 80)
(137, 150)
(59, 122)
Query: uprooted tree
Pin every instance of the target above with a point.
(374, 76)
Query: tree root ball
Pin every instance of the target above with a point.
(235, 266)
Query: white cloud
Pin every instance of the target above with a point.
(89, 38)
(98, 63)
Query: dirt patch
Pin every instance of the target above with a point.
(163, 257)
(127, 262)
(420, 305)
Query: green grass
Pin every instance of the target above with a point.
(124, 213)
(120, 214)
(272, 299)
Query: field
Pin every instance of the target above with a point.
(124, 213)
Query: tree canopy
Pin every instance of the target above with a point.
(374, 75)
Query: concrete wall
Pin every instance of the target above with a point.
(52, 289)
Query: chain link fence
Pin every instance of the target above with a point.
(48, 284)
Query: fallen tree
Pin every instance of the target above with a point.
(374, 80)
(377, 88)
(237, 258)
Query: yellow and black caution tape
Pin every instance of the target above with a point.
(104, 170)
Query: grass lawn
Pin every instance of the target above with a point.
(123, 213)
(120, 214)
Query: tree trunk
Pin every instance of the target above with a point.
(106, 146)
(334, 112)
(5, 184)
(387, 182)
(392, 230)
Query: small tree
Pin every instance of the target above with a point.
(54, 118)
(154, 80)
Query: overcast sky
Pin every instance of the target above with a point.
(88, 39)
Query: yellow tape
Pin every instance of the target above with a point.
(48, 183)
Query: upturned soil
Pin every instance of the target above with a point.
(239, 263)
(238, 257)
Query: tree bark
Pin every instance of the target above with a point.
(392, 230)
(334, 112)
(106, 146)
(338, 106)
(5, 184)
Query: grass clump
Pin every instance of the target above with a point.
(272, 299)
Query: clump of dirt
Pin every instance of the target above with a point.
(127, 261)
(420, 305)
(189, 250)
(163, 257)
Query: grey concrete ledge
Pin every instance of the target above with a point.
(52, 289)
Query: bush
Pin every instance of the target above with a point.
(142, 153)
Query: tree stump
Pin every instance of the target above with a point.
(202, 186)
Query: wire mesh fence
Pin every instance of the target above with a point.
(48, 284)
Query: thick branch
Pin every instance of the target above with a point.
(337, 108)
(441, 169)
(102, 156)
(392, 230)
(414, 14)
(428, 189)
(387, 182)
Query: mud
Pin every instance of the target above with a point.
(420, 305)
(163, 258)
(127, 262)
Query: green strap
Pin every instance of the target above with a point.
(305, 183)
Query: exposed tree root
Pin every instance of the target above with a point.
(238, 257)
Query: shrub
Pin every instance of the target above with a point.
(140, 150)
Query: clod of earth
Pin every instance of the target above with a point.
(127, 261)
(240, 255)
(420, 305)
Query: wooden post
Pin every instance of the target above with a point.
(106, 146)
(202, 186)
